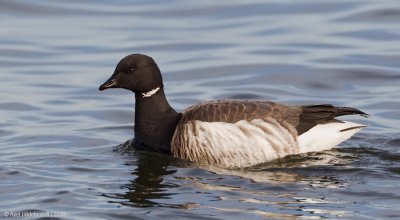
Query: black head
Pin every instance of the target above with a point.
(136, 72)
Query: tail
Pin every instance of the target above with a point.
(313, 115)
(329, 111)
(349, 111)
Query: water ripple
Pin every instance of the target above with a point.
(61, 138)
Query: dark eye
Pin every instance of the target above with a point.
(131, 69)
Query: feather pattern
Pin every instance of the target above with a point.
(241, 144)
(232, 111)
(242, 133)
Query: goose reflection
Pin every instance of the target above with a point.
(148, 184)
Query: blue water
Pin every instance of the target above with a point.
(65, 146)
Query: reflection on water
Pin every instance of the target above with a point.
(274, 186)
(147, 186)
(58, 132)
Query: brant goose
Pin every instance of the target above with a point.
(226, 133)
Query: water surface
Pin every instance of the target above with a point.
(65, 146)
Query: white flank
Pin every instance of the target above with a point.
(230, 145)
(326, 136)
(245, 143)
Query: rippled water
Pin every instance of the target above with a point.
(63, 147)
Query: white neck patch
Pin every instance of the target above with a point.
(150, 93)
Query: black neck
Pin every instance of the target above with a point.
(155, 122)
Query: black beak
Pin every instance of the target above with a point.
(110, 83)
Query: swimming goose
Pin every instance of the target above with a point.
(226, 133)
